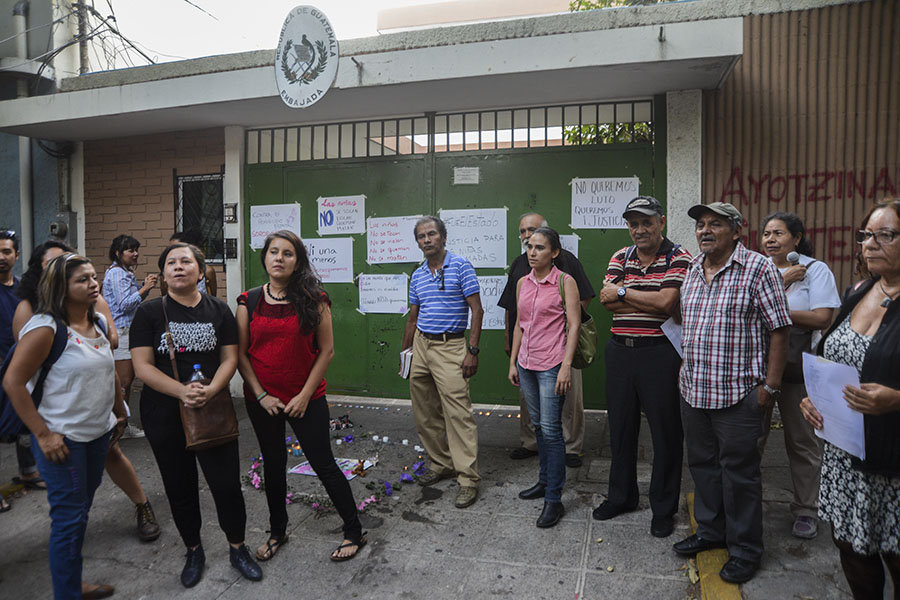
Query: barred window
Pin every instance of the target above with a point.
(198, 213)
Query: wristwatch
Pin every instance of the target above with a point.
(621, 293)
(473, 350)
(772, 391)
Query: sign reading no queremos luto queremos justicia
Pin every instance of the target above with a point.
(306, 60)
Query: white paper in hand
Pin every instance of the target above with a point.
(825, 381)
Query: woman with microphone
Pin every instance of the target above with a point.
(812, 297)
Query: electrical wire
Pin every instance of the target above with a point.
(15, 35)
(202, 10)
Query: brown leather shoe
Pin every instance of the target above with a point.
(148, 528)
(93, 591)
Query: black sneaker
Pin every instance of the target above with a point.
(608, 510)
(195, 559)
(662, 526)
(244, 563)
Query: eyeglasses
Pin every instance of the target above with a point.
(441, 275)
(882, 236)
(7, 234)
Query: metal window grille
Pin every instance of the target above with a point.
(199, 213)
(509, 129)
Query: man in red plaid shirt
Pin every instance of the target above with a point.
(735, 338)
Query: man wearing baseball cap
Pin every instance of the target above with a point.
(641, 289)
(735, 325)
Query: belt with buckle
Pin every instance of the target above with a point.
(639, 342)
(443, 337)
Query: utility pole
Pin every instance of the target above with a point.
(82, 38)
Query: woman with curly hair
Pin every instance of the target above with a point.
(284, 349)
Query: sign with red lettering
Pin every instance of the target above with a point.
(340, 215)
(392, 240)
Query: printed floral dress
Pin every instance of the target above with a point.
(862, 507)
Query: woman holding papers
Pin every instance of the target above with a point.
(540, 362)
(285, 347)
(812, 297)
(861, 497)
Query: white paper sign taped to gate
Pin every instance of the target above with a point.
(570, 243)
(387, 294)
(491, 288)
(266, 218)
(340, 215)
(332, 258)
(477, 234)
(598, 203)
(392, 240)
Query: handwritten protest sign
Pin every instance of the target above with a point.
(491, 288)
(341, 215)
(332, 258)
(477, 234)
(392, 240)
(266, 218)
(570, 243)
(599, 203)
(383, 294)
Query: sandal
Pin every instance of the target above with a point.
(4, 505)
(33, 483)
(273, 545)
(359, 546)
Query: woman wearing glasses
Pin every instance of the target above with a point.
(860, 497)
(812, 297)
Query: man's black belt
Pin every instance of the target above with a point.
(443, 337)
(639, 342)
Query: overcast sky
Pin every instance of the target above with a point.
(174, 27)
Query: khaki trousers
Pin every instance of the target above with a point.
(804, 449)
(442, 408)
(572, 419)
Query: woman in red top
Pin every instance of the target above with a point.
(286, 345)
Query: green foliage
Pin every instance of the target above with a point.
(607, 133)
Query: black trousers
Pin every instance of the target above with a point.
(161, 419)
(644, 377)
(314, 435)
(724, 458)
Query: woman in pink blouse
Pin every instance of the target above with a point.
(541, 363)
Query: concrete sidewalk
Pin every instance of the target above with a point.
(420, 545)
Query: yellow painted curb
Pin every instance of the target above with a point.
(709, 563)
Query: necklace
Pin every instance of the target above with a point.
(887, 297)
(272, 296)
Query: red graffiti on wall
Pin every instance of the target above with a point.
(818, 186)
(829, 242)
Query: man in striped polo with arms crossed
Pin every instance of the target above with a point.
(441, 292)
(642, 289)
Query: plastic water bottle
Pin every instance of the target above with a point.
(197, 375)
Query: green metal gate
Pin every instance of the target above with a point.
(417, 178)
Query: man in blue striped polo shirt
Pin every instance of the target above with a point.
(441, 292)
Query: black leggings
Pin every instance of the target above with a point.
(161, 419)
(865, 574)
(314, 435)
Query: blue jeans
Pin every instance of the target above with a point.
(545, 409)
(70, 492)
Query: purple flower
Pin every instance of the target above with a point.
(406, 477)
(419, 468)
(348, 439)
(388, 488)
(315, 506)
